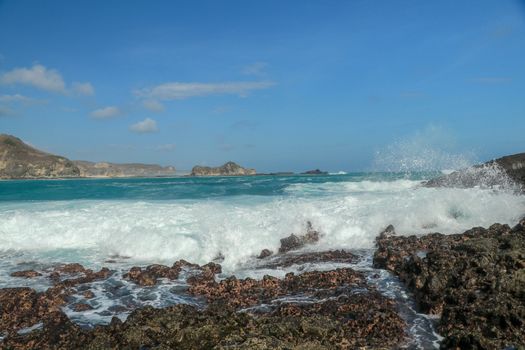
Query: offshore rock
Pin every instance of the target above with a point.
(315, 172)
(475, 281)
(227, 169)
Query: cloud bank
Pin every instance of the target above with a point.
(106, 112)
(180, 91)
(144, 127)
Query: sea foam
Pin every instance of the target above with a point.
(348, 214)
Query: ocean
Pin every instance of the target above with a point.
(121, 223)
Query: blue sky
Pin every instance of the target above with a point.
(275, 85)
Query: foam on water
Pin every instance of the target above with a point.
(237, 217)
(348, 214)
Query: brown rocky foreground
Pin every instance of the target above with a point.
(339, 311)
(474, 281)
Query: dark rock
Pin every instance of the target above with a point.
(475, 281)
(508, 172)
(265, 253)
(315, 172)
(26, 274)
(294, 242)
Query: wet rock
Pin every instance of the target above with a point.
(26, 274)
(24, 307)
(346, 322)
(475, 281)
(289, 259)
(70, 269)
(79, 307)
(88, 277)
(88, 294)
(294, 242)
(150, 275)
(248, 292)
(265, 253)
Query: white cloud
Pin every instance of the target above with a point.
(153, 105)
(146, 126)
(179, 91)
(106, 112)
(85, 89)
(17, 98)
(256, 68)
(37, 76)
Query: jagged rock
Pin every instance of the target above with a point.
(507, 172)
(19, 160)
(228, 169)
(294, 242)
(475, 281)
(264, 254)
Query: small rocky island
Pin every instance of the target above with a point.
(227, 169)
(19, 160)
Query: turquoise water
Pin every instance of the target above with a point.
(174, 188)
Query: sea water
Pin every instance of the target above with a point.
(160, 220)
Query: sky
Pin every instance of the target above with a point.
(273, 85)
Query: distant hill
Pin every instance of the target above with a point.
(18, 160)
(227, 169)
(103, 169)
(21, 161)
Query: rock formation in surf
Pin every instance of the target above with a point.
(508, 171)
(315, 172)
(227, 169)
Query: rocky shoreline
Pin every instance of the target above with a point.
(473, 282)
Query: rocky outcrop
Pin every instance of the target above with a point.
(228, 169)
(315, 172)
(507, 172)
(21, 161)
(475, 282)
(18, 160)
(104, 169)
